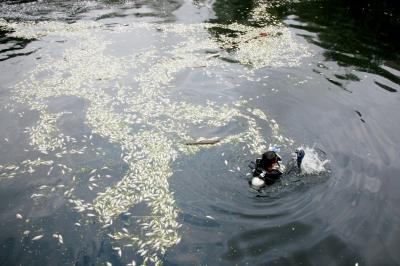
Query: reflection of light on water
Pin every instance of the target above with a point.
(86, 71)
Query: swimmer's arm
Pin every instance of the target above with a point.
(292, 167)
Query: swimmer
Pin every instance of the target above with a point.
(267, 170)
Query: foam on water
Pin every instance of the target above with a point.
(312, 162)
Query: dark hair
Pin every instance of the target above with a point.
(268, 159)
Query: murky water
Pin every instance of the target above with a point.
(98, 99)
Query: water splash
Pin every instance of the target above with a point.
(313, 163)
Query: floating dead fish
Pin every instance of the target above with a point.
(60, 239)
(37, 195)
(37, 237)
(106, 225)
(133, 263)
(19, 216)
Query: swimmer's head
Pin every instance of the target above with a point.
(268, 159)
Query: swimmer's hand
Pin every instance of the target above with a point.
(300, 156)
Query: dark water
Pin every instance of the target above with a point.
(342, 98)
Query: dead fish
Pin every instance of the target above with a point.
(51, 169)
(106, 225)
(19, 216)
(37, 237)
(37, 195)
(60, 239)
(133, 263)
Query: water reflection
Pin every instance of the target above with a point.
(10, 46)
(233, 11)
(328, 25)
(75, 10)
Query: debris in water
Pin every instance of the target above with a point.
(204, 142)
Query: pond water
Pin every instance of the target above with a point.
(98, 99)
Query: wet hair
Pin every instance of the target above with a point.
(268, 159)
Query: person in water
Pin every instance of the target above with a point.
(267, 169)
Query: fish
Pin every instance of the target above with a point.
(19, 216)
(60, 239)
(37, 195)
(37, 237)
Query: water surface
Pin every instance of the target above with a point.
(99, 97)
